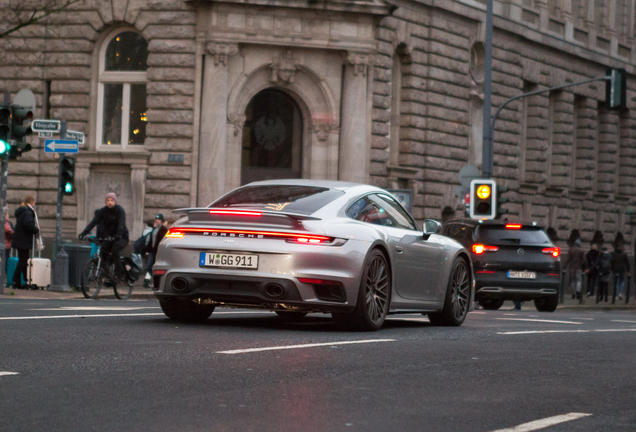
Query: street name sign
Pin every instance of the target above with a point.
(61, 146)
(45, 134)
(75, 135)
(42, 125)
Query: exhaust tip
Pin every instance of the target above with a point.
(274, 290)
(179, 284)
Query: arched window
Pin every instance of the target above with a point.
(121, 93)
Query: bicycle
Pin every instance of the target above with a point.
(100, 270)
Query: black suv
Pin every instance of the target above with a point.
(512, 261)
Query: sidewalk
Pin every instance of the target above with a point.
(105, 293)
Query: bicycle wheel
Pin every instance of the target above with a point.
(92, 278)
(123, 289)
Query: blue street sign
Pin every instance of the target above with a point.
(61, 146)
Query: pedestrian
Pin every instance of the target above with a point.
(620, 267)
(158, 233)
(113, 219)
(8, 237)
(574, 262)
(602, 265)
(592, 275)
(26, 228)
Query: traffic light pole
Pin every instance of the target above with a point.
(3, 200)
(59, 280)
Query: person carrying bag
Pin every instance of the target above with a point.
(26, 228)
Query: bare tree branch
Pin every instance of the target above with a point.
(29, 13)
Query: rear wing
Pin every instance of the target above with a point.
(214, 214)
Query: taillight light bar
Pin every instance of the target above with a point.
(513, 226)
(555, 251)
(480, 249)
(236, 212)
(159, 272)
(289, 237)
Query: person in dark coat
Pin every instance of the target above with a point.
(8, 237)
(111, 222)
(620, 268)
(574, 262)
(592, 275)
(157, 234)
(602, 265)
(25, 229)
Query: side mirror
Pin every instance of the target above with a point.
(431, 227)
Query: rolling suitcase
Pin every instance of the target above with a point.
(39, 271)
(12, 263)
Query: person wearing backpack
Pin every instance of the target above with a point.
(619, 266)
(158, 233)
(603, 266)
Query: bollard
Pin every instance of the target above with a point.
(628, 287)
(613, 280)
(583, 289)
(60, 272)
(562, 288)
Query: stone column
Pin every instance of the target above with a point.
(138, 184)
(235, 123)
(354, 152)
(212, 147)
(82, 173)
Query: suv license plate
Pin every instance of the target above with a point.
(208, 259)
(521, 275)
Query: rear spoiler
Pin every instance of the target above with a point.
(247, 211)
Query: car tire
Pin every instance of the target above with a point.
(457, 301)
(546, 304)
(186, 310)
(289, 316)
(491, 304)
(374, 296)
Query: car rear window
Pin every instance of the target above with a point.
(284, 198)
(501, 235)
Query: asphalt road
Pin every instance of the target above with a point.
(122, 366)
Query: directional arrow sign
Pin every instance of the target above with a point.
(46, 125)
(61, 146)
(74, 135)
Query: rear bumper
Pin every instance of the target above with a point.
(251, 292)
(498, 286)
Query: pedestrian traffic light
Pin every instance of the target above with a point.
(67, 175)
(501, 200)
(616, 89)
(5, 128)
(483, 199)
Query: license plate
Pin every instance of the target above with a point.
(224, 260)
(521, 275)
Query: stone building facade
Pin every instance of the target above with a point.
(183, 101)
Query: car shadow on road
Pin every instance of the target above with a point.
(312, 323)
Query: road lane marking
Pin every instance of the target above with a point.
(544, 423)
(79, 316)
(538, 320)
(9, 373)
(95, 308)
(564, 331)
(623, 321)
(287, 347)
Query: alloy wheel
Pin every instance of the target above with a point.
(377, 289)
(460, 290)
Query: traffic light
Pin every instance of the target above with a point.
(501, 200)
(5, 129)
(616, 89)
(20, 129)
(483, 199)
(67, 175)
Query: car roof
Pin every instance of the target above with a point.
(331, 184)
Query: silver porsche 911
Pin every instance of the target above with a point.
(301, 246)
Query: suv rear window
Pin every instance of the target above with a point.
(501, 235)
(293, 199)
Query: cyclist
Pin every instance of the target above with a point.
(111, 222)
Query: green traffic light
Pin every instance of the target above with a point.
(4, 147)
(68, 188)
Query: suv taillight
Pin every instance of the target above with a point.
(555, 251)
(480, 249)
